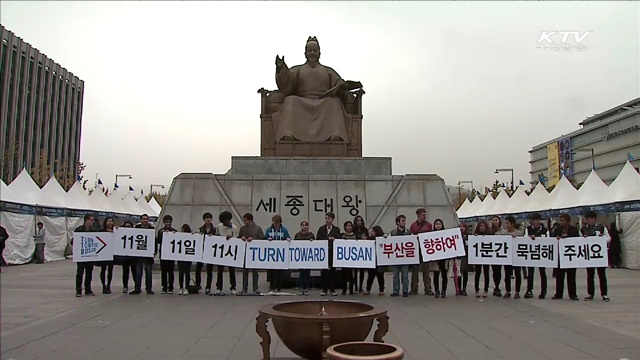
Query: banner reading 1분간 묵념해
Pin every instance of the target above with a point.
(92, 246)
(538, 252)
(134, 242)
(443, 244)
(181, 246)
(309, 254)
(583, 252)
(490, 250)
(266, 254)
(220, 251)
(359, 254)
(397, 250)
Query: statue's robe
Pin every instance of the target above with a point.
(304, 115)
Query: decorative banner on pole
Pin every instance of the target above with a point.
(89, 246)
(397, 250)
(220, 251)
(134, 242)
(541, 252)
(443, 244)
(581, 252)
(490, 250)
(306, 254)
(358, 254)
(182, 246)
(265, 254)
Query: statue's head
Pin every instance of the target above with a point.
(312, 49)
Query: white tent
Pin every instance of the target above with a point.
(626, 186)
(24, 186)
(53, 195)
(144, 206)
(485, 206)
(154, 205)
(499, 205)
(563, 190)
(517, 202)
(98, 201)
(462, 210)
(592, 192)
(78, 198)
(6, 194)
(538, 199)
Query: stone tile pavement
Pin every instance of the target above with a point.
(41, 319)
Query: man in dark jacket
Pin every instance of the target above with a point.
(207, 229)
(592, 228)
(400, 230)
(248, 232)
(4, 235)
(166, 266)
(329, 232)
(144, 263)
(565, 230)
(536, 230)
(84, 268)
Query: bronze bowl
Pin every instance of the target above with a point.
(365, 350)
(308, 328)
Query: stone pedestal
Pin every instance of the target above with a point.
(305, 189)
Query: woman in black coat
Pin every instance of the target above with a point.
(615, 247)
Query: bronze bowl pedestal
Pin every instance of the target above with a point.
(365, 350)
(308, 328)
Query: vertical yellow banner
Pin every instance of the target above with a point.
(554, 163)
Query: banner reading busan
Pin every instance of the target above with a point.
(541, 252)
(220, 251)
(307, 254)
(397, 250)
(443, 244)
(490, 250)
(89, 246)
(134, 242)
(265, 254)
(581, 252)
(358, 254)
(182, 246)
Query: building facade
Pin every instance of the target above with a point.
(40, 110)
(605, 142)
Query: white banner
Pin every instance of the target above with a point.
(265, 254)
(443, 244)
(90, 246)
(360, 254)
(134, 242)
(581, 252)
(397, 250)
(220, 251)
(490, 250)
(182, 246)
(541, 252)
(307, 254)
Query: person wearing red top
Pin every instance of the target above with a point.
(421, 225)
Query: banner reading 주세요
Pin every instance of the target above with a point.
(443, 244)
(359, 254)
(92, 246)
(583, 252)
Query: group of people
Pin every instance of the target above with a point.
(352, 280)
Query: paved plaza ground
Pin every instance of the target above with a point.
(41, 319)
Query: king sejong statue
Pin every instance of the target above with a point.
(313, 109)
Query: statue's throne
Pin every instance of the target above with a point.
(271, 101)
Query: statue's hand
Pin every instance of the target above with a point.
(279, 62)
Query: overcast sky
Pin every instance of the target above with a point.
(457, 89)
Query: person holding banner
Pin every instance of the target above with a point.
(84, 268)
(328, 232)
(184, 268)
(249, 231)
(510, 229)
(464, 262)
(144, 264)
(534, 230)
(496, 228)
(276, 232)
(106, 267)
(441, 267)
(362, 234)
(227, 229)
(421, 225)
(347, 273)
(482, 229)
(207, 229)
(592, 228)
(400, 230)
(127, 263)
(378, 272)
(166, 266)
(305, 274)
(565, 230)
